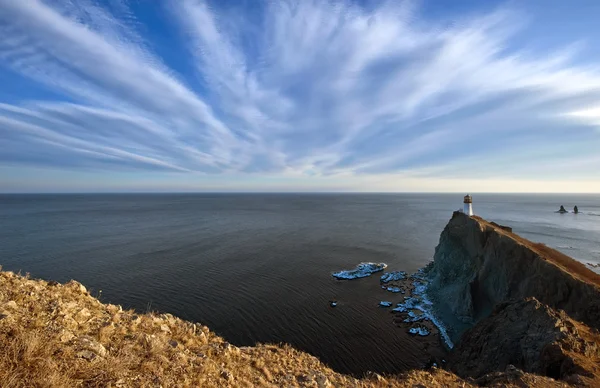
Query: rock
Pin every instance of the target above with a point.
(304, 379)
(11, 305)
(89, 344)
(173, 343)
(86, 355)
(525, 335)
(66, 336)
(226, 375)
(562, 209)
(83, 316)
(76, 286)
(164, 328)
(322, 381)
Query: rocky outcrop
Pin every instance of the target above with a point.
(533, 337)
(478, 264)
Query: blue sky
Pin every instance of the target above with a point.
(311, 95)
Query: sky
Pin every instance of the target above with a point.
(307, 95)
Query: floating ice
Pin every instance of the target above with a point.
(422, 303)
(420, 288)
(412, 317)
(394, 289)
(393, 276)
(400, 309)
(361, 271)
(418, 331)
(384, 303)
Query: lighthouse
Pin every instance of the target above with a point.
(468, 205)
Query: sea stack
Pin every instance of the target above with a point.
(468, 205)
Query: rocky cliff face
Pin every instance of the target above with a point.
(534, 337)
(478, 264)
(509, 301)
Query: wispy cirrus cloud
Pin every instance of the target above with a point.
(292, 88)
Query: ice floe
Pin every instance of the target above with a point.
(413, 317)
(361, 271)
(384, 303)
(418, 331)
(419, 301)
(394, 289)
(393, 276)
(400, 308)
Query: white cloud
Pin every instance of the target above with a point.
(296, 88)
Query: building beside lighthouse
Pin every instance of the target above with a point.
(468, 205)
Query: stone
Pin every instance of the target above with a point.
(86, 355)
(226, 375)
(66, 336)
(89, 344)
(12, 305)
(304, 379)
(322, 381)
(83, 315)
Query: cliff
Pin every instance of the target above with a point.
(478, 264)
(508, 300)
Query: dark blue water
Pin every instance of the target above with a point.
(256, 267)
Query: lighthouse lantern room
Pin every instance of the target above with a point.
(468, 205)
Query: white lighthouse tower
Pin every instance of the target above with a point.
(468, 205)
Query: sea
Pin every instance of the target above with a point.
(256, 268)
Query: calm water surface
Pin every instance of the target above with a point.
(256, 267)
